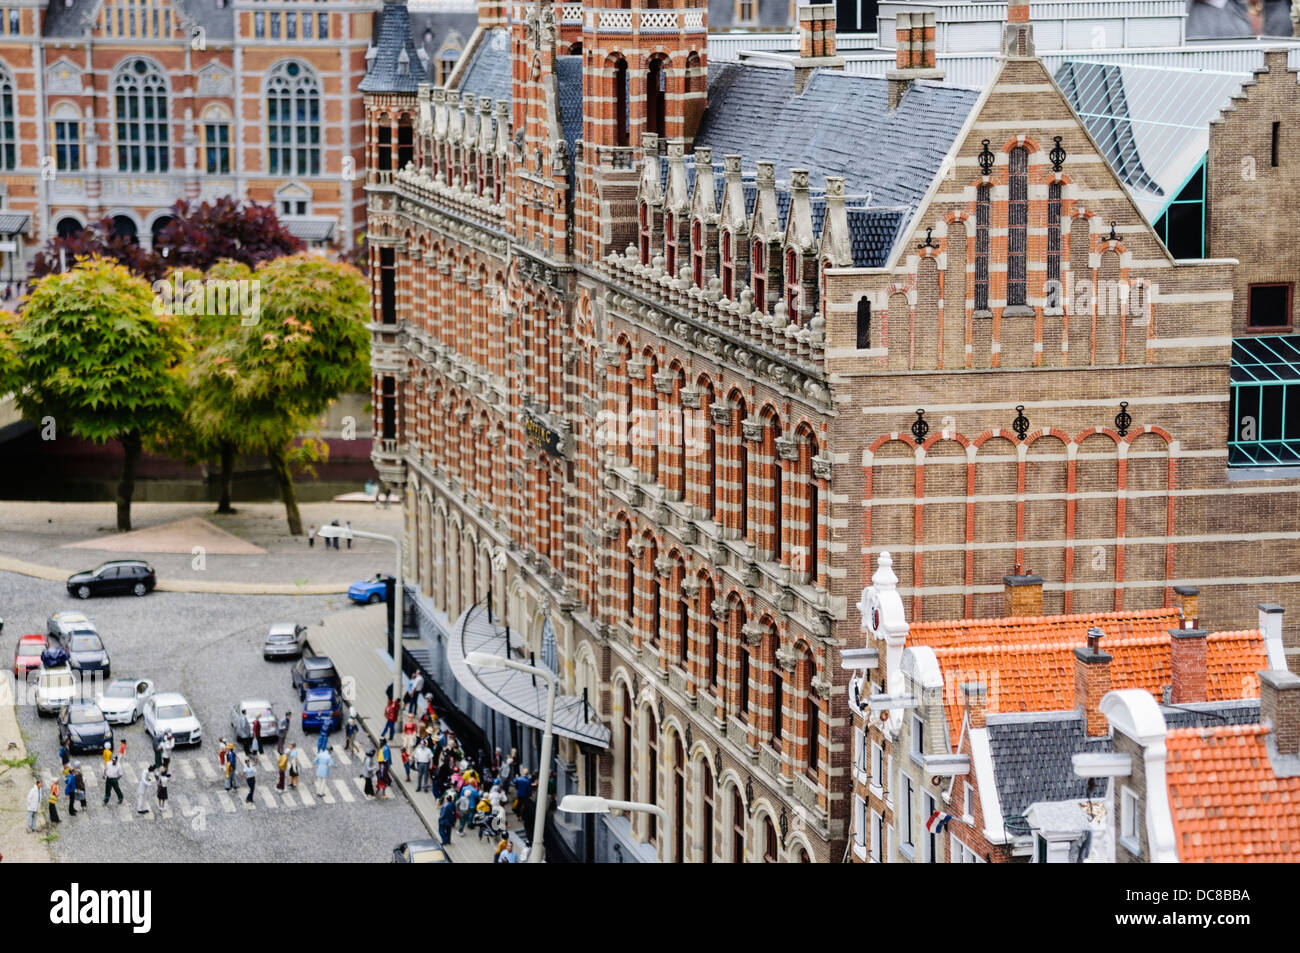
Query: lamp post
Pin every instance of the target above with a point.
(488, 660)
(587, 804)
(329, 531)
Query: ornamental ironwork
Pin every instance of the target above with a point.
(920, 427)
(1112, 237)
(1123, 420)
(1057, 155)
(929, 240)
(986, 158)
(1021, 424)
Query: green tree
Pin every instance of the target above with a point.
(273, 378)
(93, 352)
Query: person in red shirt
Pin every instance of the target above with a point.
(390, 718)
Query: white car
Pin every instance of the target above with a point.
(123, 701)
(169, 711)
(55, 687)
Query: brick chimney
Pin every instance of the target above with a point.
(914, 54)
(1091, 683)
(491, 13)
(1187, 665)
(975, 696)
(816, 43)
(1018, 34)
(1187, 599)
(1270, 626)
(1022, 594)
(1279, 709)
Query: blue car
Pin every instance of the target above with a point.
(368, 591)
(322, 703)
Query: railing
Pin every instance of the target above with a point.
(693, 20)
(805, 792)
(615, 21)
(571, 14)
(769, 760)
(615, 157)
(388, 447)
(658, 21)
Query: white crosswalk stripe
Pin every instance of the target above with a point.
(344, 792)
(304, 795)
(209, 769)
(326, 796)
(187, 770)
(342, 758)
(224, 799)
(267, 797)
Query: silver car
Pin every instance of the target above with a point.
(243, 714)
(285, 640)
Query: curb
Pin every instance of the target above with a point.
(54, 574)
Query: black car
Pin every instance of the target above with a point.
(315, 671)
(83, 727)
(116, 577)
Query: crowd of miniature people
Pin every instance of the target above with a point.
(474, 792)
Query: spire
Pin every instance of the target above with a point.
(392, 66)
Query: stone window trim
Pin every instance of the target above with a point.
(1129, 820)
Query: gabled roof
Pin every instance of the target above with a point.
(839, 125)
(1227, 803)
(395, 66)
(1152, 123)
(488, 73)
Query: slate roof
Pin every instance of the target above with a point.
(12, 223)
(488, 73)
(1243, 711)
(217, 22)
(386, 72)
(310, 228)
(568, 84)
(1032, 758)
(772, 15)
(441, 25)
(839, 125)
(872, 233)
(63, 20)
(1228, 805)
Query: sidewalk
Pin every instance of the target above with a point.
(355, 639)
(16, 842)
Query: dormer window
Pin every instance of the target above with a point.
(670, 243)
(759, 273)
(643, 232)
(792, 285)
(697, 253)
(728, 267)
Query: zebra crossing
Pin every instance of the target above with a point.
(207, 796)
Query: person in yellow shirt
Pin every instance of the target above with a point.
(108, 752)
(283, 764)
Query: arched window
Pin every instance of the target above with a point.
(982, 248)
(778, 701)
(652, 775)
(670, 243)
(706, 814)
(758, 274)
(405, 142)
(697, 253)
(1017, 224)
(744, 682)
(67, 227)
(683, 626)
(627, 746)
(821, 285)
(1055, 296)
(140, 101)
(643, 233)
(656, 86)
(622, 122)
(293, 120)
(864, 323)
(67, 133)
(728, 266)
(216, 140)
(679, 802)
(792, 285)
(771, 850)
(124, 227)
(737, 827)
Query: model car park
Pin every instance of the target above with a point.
(55, 687)
(427, 851)
(315, 671)
(27, 654)
(170, 712)
(322, 704)
(245, 712)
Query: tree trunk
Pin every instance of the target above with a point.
(132, 447)
(280, 467)
(227, 477)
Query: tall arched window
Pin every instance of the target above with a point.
(643, 233)
(67, 134)
(652, 774)
(728, 267)
(140, 101)
(758, 274)
(622, 121)
(627, 745)
(982, 248)
(670, 243)
(706, 814)
(1017, 224)
(8, 123)
(683, 625)
(737, 827)
(864, 323)
(216, 140)
(778, 703)
(293, 120)
(679, 802)
(656, 86)
(792, 286)
(771, 849)
(1055, 296)
(697, 253)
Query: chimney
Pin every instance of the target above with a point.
(975, 696)
(1187, 599)
(1270, 626)
(816, 43)
(1022, 594)
(1187, 665)
(1018, 34)
(1279, 710)
(491, 13)
(1091, 683)
(914, 56)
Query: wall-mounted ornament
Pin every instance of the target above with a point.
(986, 158)
(1112, 237)
(1123, 420)
(929, 240)
(1021, 424)
(920, 427)
(1057, 155)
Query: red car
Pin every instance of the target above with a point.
(27, 654)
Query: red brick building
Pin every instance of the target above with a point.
(665, 353)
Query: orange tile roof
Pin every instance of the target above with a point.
(1227, 804)
(1027, 664)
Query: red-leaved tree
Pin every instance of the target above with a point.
(202, 234)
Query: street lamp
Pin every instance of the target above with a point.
(488, 660)
(329, 531)
(588, 804)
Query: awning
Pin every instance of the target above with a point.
(512, 693)
(310, 228)
(13, 223)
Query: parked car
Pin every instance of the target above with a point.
(55, 687)
(315, 671)
(85, 650)
(427, 851)
(62, 623)
(123, 701)
(169, 711)
(369, 591)
(116, 577)
(242, 715)
(83, 727)
(27, 653)
(285, 640)
(322, 703)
